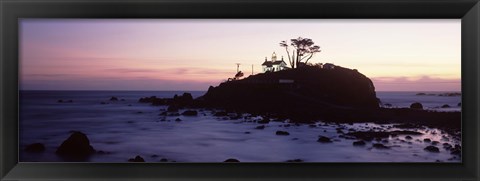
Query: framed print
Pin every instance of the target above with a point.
(239, 90)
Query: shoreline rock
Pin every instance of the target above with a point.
(416, 105)
(77, 145)
(138, 158)
(283, 133)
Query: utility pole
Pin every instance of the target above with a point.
(238, 66)
(252, 69)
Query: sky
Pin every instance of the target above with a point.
(192, 54)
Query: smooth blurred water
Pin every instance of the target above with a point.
(127, 128)
(431, 102)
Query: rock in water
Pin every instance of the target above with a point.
(282, 133)
(359, 143)
(136, 159)
(113, 98)
(183, 100)
(433, 149)
(323, 139)
(35, 147)
(231, 160)
(260, 127)
(76, 145)
(445, 106)
(416, 105)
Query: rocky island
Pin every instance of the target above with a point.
(308, 94)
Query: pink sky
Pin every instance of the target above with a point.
(167, 54)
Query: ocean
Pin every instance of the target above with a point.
(126, 128)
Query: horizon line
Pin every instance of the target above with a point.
(207, 90)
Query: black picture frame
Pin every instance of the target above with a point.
(466, 10)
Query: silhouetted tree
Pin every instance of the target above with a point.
(239, 74)
(303, 49)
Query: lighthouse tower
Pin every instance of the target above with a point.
(274, 57)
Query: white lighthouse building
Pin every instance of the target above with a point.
(274, 65)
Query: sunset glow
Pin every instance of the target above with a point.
(94, 54)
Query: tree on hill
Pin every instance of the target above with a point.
(239, 74)
(303, 49)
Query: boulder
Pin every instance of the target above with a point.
(76, 145)
(260, 127)
(408, 137)
(178, 119)
(282, 133)
(447, 146)
(416, 105)
(136, 159)
(323, 139)
(35, 147)
(113, 98)
(433, 149)
(427, 140)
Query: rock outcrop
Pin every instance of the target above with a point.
(77, 145)
(296, 92)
